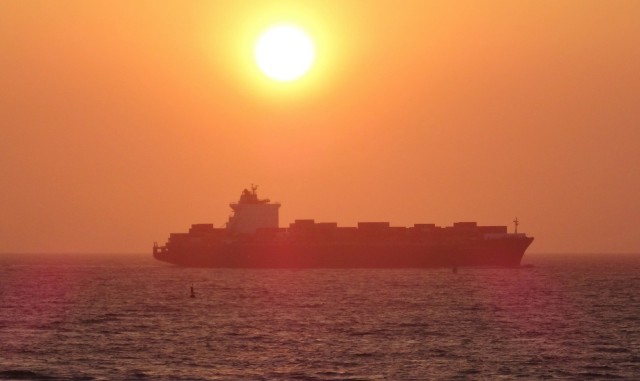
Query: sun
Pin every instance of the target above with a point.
(284, 53)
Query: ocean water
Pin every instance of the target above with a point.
(66, 317)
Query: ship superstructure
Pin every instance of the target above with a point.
(252, 238)
(251, 213)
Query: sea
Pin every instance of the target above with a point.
(129, 317)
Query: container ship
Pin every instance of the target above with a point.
(252, 238)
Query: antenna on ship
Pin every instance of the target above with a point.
(516, 223)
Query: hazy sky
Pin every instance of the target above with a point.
(123, 121)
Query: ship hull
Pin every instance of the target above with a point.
(507, 252)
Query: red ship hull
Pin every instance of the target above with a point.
(503, 252)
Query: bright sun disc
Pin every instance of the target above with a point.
(284, 53)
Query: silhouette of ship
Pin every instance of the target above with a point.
(252, 238)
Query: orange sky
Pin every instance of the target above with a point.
(123, 121)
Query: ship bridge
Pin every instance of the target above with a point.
(251, 213)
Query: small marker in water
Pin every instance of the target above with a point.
(193, 293)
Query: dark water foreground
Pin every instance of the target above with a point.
(119, 317)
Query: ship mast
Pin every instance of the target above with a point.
(516, 223)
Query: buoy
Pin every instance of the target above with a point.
(193, 293)
(455, 270)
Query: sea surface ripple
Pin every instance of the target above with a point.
(83, 317)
